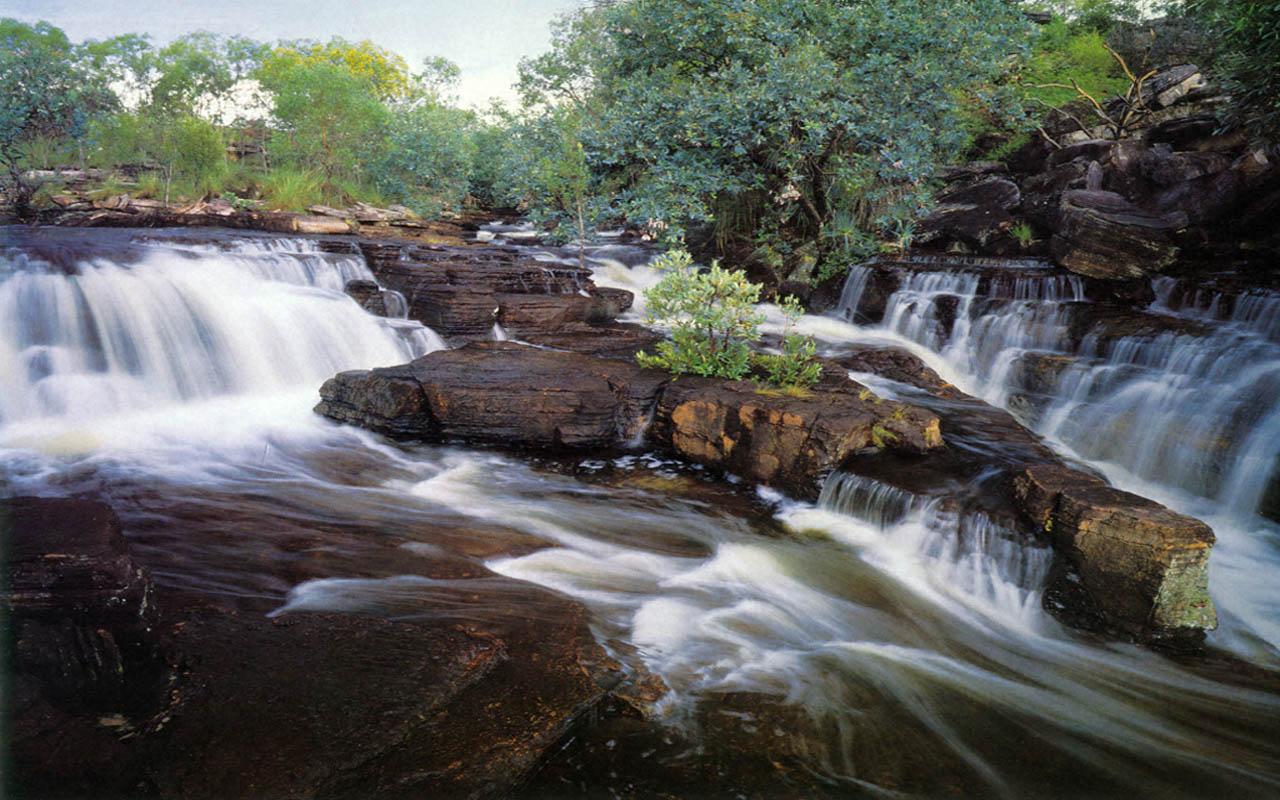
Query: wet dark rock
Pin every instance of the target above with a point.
(81, 610)
(1183, 133)
(975, 214)
(500, 393)
(1145, 566)
(462, 292)
(617, 340)
(369, 295)
(1103, 235)
(1042, 192)
(781, 440)
(1036, 376)
(896, 364)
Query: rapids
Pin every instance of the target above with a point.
(890, 642)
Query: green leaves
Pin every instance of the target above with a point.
(1247, 35)
(711, 314)
(714, 321)
(691, 102)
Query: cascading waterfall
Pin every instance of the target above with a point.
(1191, 417)
(889, 641)
(183, 321)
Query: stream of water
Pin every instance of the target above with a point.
(892, 642)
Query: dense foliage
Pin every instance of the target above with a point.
(1247, 33)
(45, 95)
(782, 120)
(801, 134)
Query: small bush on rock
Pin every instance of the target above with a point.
(713, 320)
(796, 367)
(711, 314)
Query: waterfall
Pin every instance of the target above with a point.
(182, 320)
(1187, 414)
(965, 554)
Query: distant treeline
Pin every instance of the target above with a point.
(787, 129)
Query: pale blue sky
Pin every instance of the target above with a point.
(486, 38)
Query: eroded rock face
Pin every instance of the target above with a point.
(512, 395)
(785, 441)
(81, 609)
(975, 214)
(462, 292)
(1102, 235)
(1144, 566)
(500, 393)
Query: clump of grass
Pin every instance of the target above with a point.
(111, 187)
(150, 185)
(784, 391)
(291, 189)
(1024, 233)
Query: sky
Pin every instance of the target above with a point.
(486, 38)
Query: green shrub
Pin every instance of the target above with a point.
(714, 321)
(712, 317)
(797, 366)
(288, 189)
(1246, 34)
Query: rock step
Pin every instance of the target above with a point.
(1146, 566)
(511, 395)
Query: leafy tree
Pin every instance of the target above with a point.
(385, 72)
(45, 93)
(791, 112)
(1247, 33)
(199, 72)
(327, 120)
(712, 317)
(426, 159)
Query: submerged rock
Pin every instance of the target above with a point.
(1144, 566)
(81, 610)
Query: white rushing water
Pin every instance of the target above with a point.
(1191, 418)
(906, 633)
(175, 324)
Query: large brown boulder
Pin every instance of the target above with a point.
(514, 395)
(500, 393)
(1102, 235)
(1144, 566)
(783, 440)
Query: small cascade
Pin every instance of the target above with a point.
(964, 553)
(498, 334)
(854, 287)
(181, 320)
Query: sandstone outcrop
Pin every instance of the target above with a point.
(500, 393)
(513, 395)
(785, 440)
(1145, 565)
(1100, 234)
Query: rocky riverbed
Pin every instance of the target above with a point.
(544, 571)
